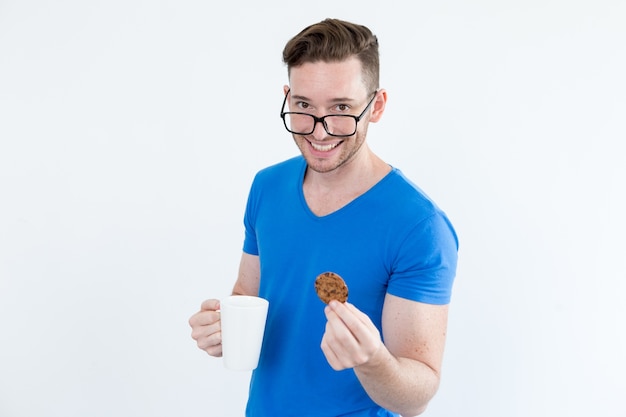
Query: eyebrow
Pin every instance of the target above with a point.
(334, 100)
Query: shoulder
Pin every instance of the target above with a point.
(411, 211)
(284, 169)
(278, 180)
(405, 196)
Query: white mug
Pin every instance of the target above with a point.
(243, 325)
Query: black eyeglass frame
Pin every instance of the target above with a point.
(322, 119)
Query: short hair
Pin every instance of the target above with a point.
(333, 40)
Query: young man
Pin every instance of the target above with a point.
(338, 207)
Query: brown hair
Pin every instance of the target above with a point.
(334, 40)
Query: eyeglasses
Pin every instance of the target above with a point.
(339, 125)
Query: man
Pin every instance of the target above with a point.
(338, 207)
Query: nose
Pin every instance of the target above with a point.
(319, 132)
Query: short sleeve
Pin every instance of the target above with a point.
(425, 267)
(250, 244)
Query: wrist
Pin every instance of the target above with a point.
(380, 359)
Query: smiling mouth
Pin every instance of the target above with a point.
(325, 147)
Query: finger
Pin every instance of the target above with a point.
(211, 349)
(338, 335)
(364, 336)
(211, 305)
(211, 342)
(354, 319)
(214, 351)
(204, 318)
(203, 330)
(364, 318)
(331, 356)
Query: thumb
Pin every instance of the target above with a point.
(210, 305)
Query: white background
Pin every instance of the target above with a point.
(130, 132)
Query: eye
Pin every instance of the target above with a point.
(302, 105)
(341, 108)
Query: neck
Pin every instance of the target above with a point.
(326, 192)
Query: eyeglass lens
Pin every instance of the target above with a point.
(335, 125)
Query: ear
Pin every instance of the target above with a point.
(378, 106)
(285, 89)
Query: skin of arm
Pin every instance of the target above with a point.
(401, 375)
(249, 276)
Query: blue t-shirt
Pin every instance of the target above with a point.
(392, 239)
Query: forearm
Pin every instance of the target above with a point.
(401, 385)
(248, 278)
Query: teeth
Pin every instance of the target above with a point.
(324, 148)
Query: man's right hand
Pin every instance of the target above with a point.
(206, 328)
